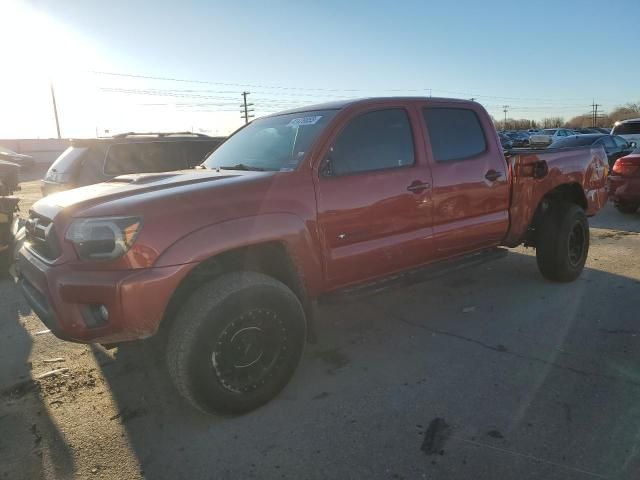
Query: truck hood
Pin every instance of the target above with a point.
(133, 186)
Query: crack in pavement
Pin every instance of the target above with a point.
(503, 349)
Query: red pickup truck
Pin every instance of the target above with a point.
(226, 262)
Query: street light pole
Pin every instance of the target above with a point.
(55, 108)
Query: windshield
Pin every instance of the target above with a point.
(276, 143)
(549, 131)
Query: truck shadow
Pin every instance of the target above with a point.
(35, 447)
(546, 370)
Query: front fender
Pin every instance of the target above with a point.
(222, 237)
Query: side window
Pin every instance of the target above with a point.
(608, 143)
(373, 141)
(455, 133)
(621, 142)
(144, 158)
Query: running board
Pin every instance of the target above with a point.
(419, 275)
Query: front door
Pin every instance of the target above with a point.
(374, 197)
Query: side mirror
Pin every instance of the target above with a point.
(633, 145)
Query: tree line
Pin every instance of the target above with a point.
(585, 120)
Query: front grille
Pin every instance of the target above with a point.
(41, 235)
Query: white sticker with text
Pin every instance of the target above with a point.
(298, 122)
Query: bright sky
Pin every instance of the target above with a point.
(542, 58)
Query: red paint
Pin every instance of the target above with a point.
(624, 182)
(340, 231)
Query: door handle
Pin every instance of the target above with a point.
(492, 175)
(418, 187)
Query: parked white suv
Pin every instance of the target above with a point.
(628, 129)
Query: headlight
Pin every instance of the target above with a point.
(103, 238)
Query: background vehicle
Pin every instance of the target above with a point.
(520, 139)
(624, 183)
(26, 162)
(327, 200)
(556, 133)
(8, 207)
(628, 129)
(614, 146)
(91, 161)
(505, 141)
(583, 131)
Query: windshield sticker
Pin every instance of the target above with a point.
(298, 122)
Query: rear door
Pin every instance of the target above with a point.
(470, 178)
(374, 196)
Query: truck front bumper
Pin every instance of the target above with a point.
(69, 301)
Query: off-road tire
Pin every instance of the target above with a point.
(627, 208)
(202, 324)
(556, 253)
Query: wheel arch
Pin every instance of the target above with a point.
(273, 258)
(572, 193)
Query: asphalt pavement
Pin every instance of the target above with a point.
(488, 373)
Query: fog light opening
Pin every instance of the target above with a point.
(96, 315)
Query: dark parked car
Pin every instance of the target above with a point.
(24, 161)
(505, 141)
(520, 139)
(614, 145)
(97, 160)
(585, 131)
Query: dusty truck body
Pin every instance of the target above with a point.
(225, 263)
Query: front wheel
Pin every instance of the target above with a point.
(236, 343)
(627, 208)
(562, 242)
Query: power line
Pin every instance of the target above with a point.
(310, 89)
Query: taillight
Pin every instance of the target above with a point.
(627, 166)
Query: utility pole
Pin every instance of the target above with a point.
(505, 109)
(594, 113)
(55, 108)
(246, 110)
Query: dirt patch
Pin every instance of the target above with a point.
(615, 234)
(66, 384)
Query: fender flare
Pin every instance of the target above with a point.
(285, 228)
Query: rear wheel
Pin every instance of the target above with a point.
(562, 242)
(236, 343)
(626, 208)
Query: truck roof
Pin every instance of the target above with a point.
(340, 104)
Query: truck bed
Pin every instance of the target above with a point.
(535, 172)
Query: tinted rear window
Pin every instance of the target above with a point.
(631, 128)
(455, 133)
(150, 157)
